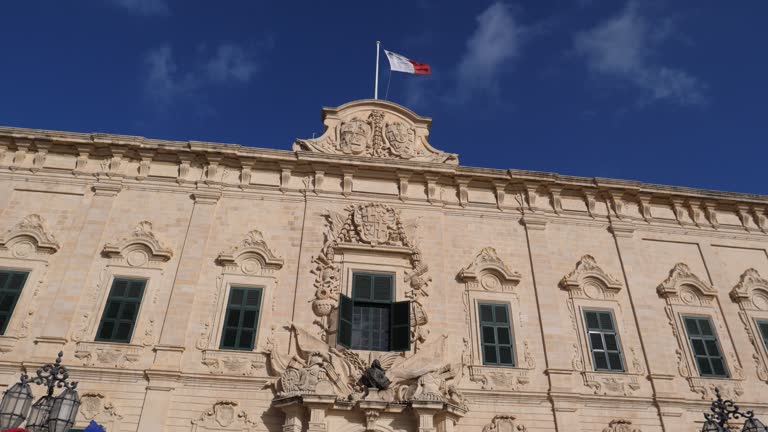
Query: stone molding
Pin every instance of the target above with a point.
(488, 271)
(681, 276)
(30, 237)
(577, 281)
(252, 255)
(751, 294)
(139, 248)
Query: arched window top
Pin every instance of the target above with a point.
(29, 236)
(139, 247)
(683, 282)
(251, 255)
(588, 278)
(751, 292)
(490, 272)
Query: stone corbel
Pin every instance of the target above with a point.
(557, 202)
(530, 192)
(500, 186)
(41, 154)
(212, 175)
(185, 163)
(710, 209)
(320, 170)
(462, 183)
(616, 202)
(678, 208)
(402, 180)
(20, 156)
(346, 182)
(285, 175)
(115, 162)
(246, 172)
(645, 206)
(591, 201)
(760, 218)
(432, 187)
(5, 144)
(83, 155)
(146, 156)
(742, 210)
(206, 197)
(694, 206)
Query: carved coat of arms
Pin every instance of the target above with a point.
(401, 139)
(354, 136)
(374, 223)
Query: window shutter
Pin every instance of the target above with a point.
(344, 335)
(400, 333)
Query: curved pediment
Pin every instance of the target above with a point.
(29, 235)
(681, 276)
(376, 128)
(139, 248)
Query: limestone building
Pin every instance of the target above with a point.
(196, 286)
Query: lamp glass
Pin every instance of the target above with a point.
(754, 425)
(64, 411)
(712, 426)
(15, 405)
(38, 416)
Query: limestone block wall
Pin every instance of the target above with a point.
(193, 218)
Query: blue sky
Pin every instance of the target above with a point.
(657, 91)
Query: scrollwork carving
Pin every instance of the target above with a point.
(28, 237)
(488, 271)
(251, 256)
(139, 248)
(504, 423)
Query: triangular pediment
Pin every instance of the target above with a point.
(376, 128)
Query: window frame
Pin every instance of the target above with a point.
(510, 326)
(616, 333)
(715, 335)
(105, 303)
(17, 300)
(389, 304)
(224, 326)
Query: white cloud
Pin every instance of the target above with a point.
(495, 42)
(623, 47)
(165, 83)
(143, 7)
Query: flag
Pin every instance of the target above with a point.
(94, 427)
(400, 63)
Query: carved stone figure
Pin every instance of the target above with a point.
(375, 377)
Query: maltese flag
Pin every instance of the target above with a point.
(400, 63)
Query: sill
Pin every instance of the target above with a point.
(234, 362)
(499, 377)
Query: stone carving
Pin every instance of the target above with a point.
(224, 414)
(614, 385)
(491, 378)
(359, 129)
(374, 377)
(620, 425)
(729, 389)
(107, 355)
(488, 271)
(139, 248)
(751, 292)
(578, 283)
(231, 363)
(681, 275)
(318, 368)
(28, 237)
(250, 256)
(376, 225)
(96, 406)
(504, 423)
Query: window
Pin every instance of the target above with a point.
(706, 349)
(763, 326)
(603, 341)
(496, 335)
(370, 320)
(11, 283)
(119, 316)
(241, 319)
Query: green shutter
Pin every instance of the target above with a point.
(344, 335)
(400, 333)
(705, 347)
(242, 319)
(11, 284)
(121, 310)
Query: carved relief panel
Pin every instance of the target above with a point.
(225, 415)
(26, 246)
(688, 295)
(751, 294)
(249, 263)
(487, 279)
(138, 255)
(590, 287)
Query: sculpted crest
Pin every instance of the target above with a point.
(376, 128)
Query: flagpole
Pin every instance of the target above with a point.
(376, 85)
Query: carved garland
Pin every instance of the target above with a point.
(376, 225)
(683, 288)
(751, 294)
(588, 281)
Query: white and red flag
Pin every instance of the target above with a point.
(400, 63)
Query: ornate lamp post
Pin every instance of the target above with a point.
(49, 413)
(723, 410)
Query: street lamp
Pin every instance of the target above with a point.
(49, 413)
(723, 410)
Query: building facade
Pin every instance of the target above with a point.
(365, 281)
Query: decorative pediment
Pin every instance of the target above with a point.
(621, 425)
(252, 255)
(29, 236)
(487, 270)
(139, 248)
(224, 415)
(504, 423)
(590, 279)
(681, 277)
(752, 290)
(375, 128)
